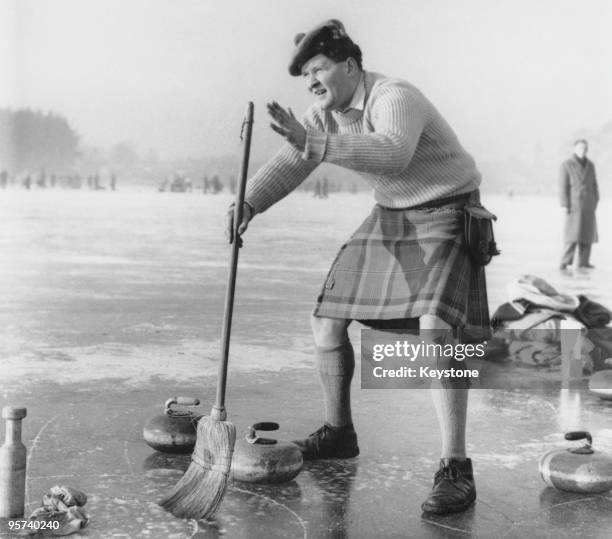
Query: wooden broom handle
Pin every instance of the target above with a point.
(218, 412)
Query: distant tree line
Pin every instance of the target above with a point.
(33, 140)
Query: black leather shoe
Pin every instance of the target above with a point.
(454, 489)
(330, 442)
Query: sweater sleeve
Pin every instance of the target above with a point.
(398, 116)
(279, 176)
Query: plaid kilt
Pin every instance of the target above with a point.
(406, 263)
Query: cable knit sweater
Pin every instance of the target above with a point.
(399, 143)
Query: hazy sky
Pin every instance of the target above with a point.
(175, 75)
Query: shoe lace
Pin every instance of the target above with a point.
(447, 472)
(319, 435)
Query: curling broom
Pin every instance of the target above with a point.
(200, 491)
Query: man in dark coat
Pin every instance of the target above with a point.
(579, 195)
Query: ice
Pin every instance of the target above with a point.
(130, 284)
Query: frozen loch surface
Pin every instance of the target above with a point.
(112, 302)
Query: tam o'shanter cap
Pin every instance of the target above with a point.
(327, 35)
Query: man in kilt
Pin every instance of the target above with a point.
(407, 262)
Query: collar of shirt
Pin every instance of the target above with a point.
(359, 96)
(358, 101)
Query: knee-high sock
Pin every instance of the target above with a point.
(450, 398)
(451, 410)
(336, 366)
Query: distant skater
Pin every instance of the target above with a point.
(579, 196)
(41, 180)
(317, 189)
(216, 185)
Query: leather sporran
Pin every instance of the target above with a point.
(478, 232)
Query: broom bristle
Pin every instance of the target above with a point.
(200, 491)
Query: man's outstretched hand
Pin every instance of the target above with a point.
(247, 215)
(287, 126)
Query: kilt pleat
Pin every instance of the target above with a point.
(404, 264)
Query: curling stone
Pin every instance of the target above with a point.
(600, 384)
(265, 460)
(578, 469)
(174, 431)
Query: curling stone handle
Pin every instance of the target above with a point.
(181, 401)
(579, 435)
(267, 426)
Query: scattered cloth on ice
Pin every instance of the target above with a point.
(536, 320)
(532, 320)
(63, 505)
(592, 314)
(537, 291)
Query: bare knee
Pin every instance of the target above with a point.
(434, 329)
(329, 332)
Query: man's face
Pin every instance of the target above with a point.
(329, 82)
(580, 149)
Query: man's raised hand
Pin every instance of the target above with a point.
(287, 126)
